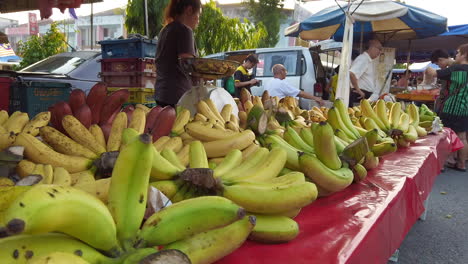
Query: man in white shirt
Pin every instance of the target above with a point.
(362, 74)
(281, 88)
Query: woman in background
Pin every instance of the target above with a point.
(175, 41)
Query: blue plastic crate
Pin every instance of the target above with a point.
(35, 97)
(128, 48)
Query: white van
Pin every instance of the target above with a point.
(303, 65)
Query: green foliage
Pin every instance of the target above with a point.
(269, 13)
(217, 33)
(135, 18)
(37, 48)
(399, 66)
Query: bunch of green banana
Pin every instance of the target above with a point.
(272, 229)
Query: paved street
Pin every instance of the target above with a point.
(443, 237)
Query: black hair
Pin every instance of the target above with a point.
(252, 58)
(177, 7)
(436, 54)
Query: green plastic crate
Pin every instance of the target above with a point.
(37, 96)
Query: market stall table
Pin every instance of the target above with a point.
(366, 222)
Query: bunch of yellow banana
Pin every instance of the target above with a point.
(11, 126)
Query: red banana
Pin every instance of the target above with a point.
(112, 104)
(95, 100)
(76, 100)
(164, 123)
(129, 111)
(83, 114)
(59, 110)
(151, 118)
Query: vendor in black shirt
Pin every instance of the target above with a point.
(242, 77)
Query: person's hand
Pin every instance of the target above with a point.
(253, 81)
(320, 101)
(360, 92)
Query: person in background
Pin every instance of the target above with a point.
(176, 41)
(419, 80)
(394, 83)
(332, 84)
(242, 77)
(363, 76)
(404, 80)
(442, 59)
(454, 113)
(281, 88)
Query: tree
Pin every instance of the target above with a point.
(37, 48)
(269, 13)
(217, 33)
(135, 18)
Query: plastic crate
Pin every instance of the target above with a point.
(137, 95)
(128, 48)
(129, 79)
(35, 97)
(128, 65)
(5, 83)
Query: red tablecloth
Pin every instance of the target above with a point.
(367, 221)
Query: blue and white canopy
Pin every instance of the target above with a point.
(385, 20)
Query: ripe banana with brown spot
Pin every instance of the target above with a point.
(40, 120)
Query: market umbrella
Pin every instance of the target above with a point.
(384, 20)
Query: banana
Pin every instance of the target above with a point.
(274, 229)
(8, 194)
(307, 136)
(401, 142)
(38, 152)
(221, 147)
(80, 134)
(234, 119)
(40, 120)
(188, 218)
(129, 187)
(326, 178)
(158, 144)
(384, 148)
(64, 144)
(370, 161)
(360, 172)
(204, 133)
(48, 176)
(231, 161)
(96, 131)
(204, 109)
(200, 117)
(25, 168)
(267, 199)
(394, 116)
(340, 134)
(214, 110)
(102, 189)
(421, 131)
(20, 249)
(174, 143)
(293, 138)
(340, 145)
(118, 126)
(7, 139)
(161, 168)
(371, 137)
(268, 169)
(138, 120)
(325, 147)
(226, 112)
(404, 122)
(182, 191)
(382, 113)
(87, 174)
(143, 107)
(248, 105)
(183, 155)
(256, 158)
(36, 211)
(344, 116)
(61, 177)
(212, 245)
(140, 256)
(39, 170)
(197, 155)
(16, 122)
(3, 117)
(232, 126)
(85, 182)
(290, 178)
(362, 131)
(257, 101)
(168, 187)
(243, 119)
(275, 141)
(181, 120)
(367, 111)
(171, 156)
(249, 151)
(334, 119)
(411, 135)
(58, 258)
(413, 112)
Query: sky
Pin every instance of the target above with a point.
(454, 10)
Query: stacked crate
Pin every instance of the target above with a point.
(130, 64)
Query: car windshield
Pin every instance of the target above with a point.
(56, 65)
